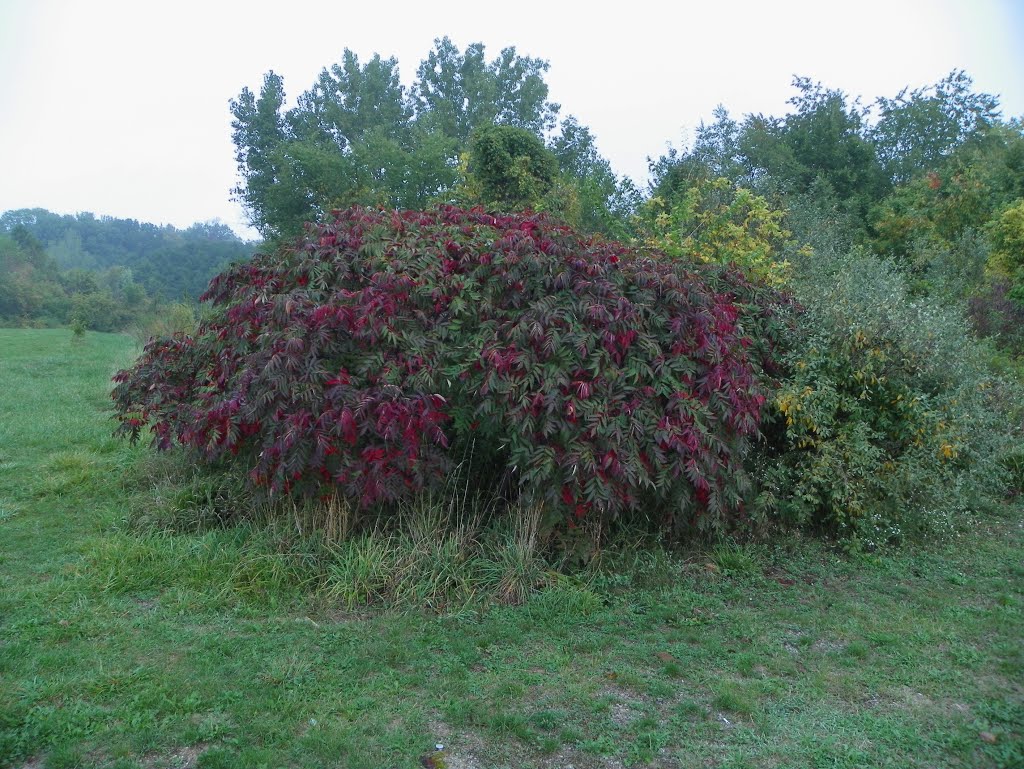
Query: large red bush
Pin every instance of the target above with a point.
(372, 353)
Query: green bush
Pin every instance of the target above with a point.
(512, 166)
(166, 320)
(100, 311)
(889, 423)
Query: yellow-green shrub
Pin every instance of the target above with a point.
(716, 222)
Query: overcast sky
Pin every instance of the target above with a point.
(121, 108)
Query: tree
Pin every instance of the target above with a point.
(28, 286)
(715, 222)
(349, 100)
(369, 149)
(357, 136)
(920, 129)
(1006, 233)
(715, 154)
(821, 147)
(269, 190)
(934, 210)
(461, 92)
(511, 167)
(31, 249)
(823, 142)
(605, 202)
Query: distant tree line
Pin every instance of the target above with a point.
(105, 272)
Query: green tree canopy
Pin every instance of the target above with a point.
(921, 128)
(512, 166)
(829, 146)
(459, 93)
(358, 136)
(823, 143)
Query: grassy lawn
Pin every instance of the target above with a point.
(128, 649)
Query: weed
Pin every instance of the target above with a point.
(735, 560)
(732, 697)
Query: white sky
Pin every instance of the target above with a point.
(121, 108)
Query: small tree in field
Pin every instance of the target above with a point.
(371, 353)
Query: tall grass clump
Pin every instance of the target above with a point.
(436, 557)
(443, 552)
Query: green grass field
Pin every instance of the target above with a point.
(126, 647)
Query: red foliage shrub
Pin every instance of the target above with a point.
(363, 355)
(996, 314)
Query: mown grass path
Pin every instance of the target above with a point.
(124, 649)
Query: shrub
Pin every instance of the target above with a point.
(715, 221)
(383, 347)
(512, 167)
(890, 421)
(165, 321)
(99, 311)
(997, 315)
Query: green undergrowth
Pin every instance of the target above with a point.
(449, 554)
(151, 617)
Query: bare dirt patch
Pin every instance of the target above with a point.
(179, 758)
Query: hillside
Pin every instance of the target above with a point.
(167, 262)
